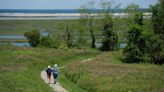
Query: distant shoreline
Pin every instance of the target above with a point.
(38, 14)
(58, 14)
(51, 16)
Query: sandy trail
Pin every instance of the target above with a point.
(57, 87)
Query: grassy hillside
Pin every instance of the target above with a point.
(20, 67)
(20, 71)
(107, 74)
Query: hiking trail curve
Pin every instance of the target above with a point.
(57, 87)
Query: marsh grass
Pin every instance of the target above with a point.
(17, 27)
(20, 67)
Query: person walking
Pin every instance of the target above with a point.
(49, 71)
(55, 73)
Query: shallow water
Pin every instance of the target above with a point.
(121, 45)
(43, 33)
(18, 44)
(12, 37)
(26, 44)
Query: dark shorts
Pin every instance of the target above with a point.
(55, 76)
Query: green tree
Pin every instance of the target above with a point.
(135, 50)
(89, 19)
(138, 18)
(158, 25)
(33, 37)
(158, 19)
(110, 36)
(69, 40)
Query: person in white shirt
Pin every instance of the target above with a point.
(55, 73)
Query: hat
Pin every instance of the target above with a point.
(55, 65)
(49, 66)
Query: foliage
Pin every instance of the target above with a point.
(144, 46)
(36, 40)
(158, 18)
(47, 41)
(69, 40)
(136, 46)
(89, 20)
(110, 36)
(158, 24)
(20, 27)
(133, 50)
(138, 18)
(33, 37)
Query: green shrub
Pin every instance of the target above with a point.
(132, 54)
(33, 37)
(47, 41)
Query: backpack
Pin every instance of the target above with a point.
(48, 71)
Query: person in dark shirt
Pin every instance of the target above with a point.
(49, 71)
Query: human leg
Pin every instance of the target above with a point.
(55, 78)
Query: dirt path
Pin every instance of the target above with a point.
(89, 59)
(57, 87)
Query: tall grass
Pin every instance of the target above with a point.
(103, 75)
(20, 67)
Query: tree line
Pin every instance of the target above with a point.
(146, 46)
(143, 45)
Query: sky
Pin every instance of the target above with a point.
(64, 4)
